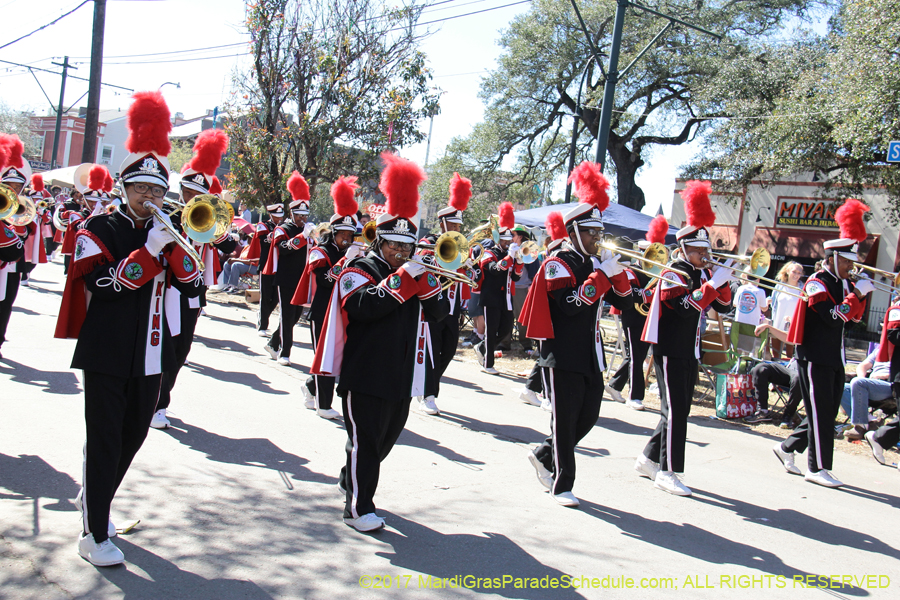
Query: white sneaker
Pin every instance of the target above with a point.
(529, 397)
(615, 394)
(273, 353)
(159, 420)
(646, 467)
(262, 333)
(104, 554)
(786, 458)
(877, 450)
(635, 404)
(328, 413)
(668, 481)
(429, 407)
(309, 401)
(566, 499)
(547, 405)
(284, 361)
(478, 353)
(823, 477)
(110, 528)
(367, 522)
(490, 370)
(543, 475)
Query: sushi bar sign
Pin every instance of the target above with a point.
(813, 213)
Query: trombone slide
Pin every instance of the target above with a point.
(163, 218)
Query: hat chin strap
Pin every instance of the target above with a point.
(580, 246)
(837, 272)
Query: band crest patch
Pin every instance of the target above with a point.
(894, 314)
(134, 271)
(814, 287)
(697, 295)
(432, 280)
(590, 291)
(79, 249)
(9, 233)
(188, 264)
(394, 282)
(844, 308)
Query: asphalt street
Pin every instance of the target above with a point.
(239, 499)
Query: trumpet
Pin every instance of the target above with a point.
(653, 261)
(881, 286)
(163, 219)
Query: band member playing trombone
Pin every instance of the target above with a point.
(14, 174)
(562, 310)
(114, 304)
(686, 289)
(375, 338)
(631, 371)
(323, 267)
(830, 301)
(260, 250)
(197, 178)
(444, 334)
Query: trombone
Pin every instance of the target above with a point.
(654, 259)
(164, 220)
(9, 202)
(758, 264)
(451, 250)
(881, 286)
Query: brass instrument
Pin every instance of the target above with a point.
(881, 286)
(450, 276)
(58, 221)
(758, 264)
(451, 250)
(163, 218)
(42, 205)
(529, 251)
(368, 234)
(491, 229)
(653, 261)
(9, 201)
(23, 214)
(206, 218)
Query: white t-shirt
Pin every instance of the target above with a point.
(749, 303)
(784, 305)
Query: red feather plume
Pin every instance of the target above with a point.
(149, 124)
(460, 192)
(555, 226)
(37, 182)
(342, 192)
(208, 150)
(507, 218)
(400, 181)
(850, 218)
(4, 150)
(696, 203)
(215, 187)
(108, 183)
(185, 167)
(656, 232)
(14, 150)
(591, 185)
(97, 177)
(298, 187)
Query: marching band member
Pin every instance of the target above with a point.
(114, 304)
(323, 267)
(73, 213)
(35, 250)
(444, 334)
(14, 173)
(562, 311)
(888, 435)
(287, 259)
(197, 177)
(382, 299)
(631, 370)
(673, 327)
(817, 330)
(501, 266)
(260, 250)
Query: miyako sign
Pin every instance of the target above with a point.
(813, 213)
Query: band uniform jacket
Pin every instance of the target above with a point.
(75, 219)
(640, 294)
(498, 276)
(569, 291)
(376, 328)
(323, 267)
(456, 293)
(890, 337)
(12, 249)
(114, 301)
(673, 323)
(260, 244)
(287, 255)
(817, 327)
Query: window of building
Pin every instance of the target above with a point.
(106, 155)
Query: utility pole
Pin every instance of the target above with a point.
(92, 118)
(60, 108)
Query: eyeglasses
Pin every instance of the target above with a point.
(593, 232)
(156, 190)
(399, 246)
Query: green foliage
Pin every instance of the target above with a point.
(17, 122)
(332, 85)
(182, 151)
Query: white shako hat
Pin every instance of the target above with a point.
(148, 144)
(13, 166)
(591, 188)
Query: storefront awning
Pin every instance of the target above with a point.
(805, 246)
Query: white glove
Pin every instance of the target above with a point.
(612, 266)
(353, 251)
(413, 268)
(157, 239)
(469, 263)
(721, 276)
(513, 248)
(863, 287)
(308, 229)
(595, 261)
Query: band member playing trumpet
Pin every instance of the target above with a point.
(381, 298)
(197, 177)
(114, 304)
(287, 259)
(631, 371)
(817, 328)
(444, 334)
(562, 310)
(686, 289)
(323, 267)
(260, 247)
(14, 173)
(501, 266)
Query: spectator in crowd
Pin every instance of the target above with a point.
(245, 213)
(778, 373)
(869, 388)
(783, 302)
(749, 303)
(236, 267)
(520, 236)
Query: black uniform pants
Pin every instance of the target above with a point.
(631, 370)
(373, 426)
(320, 386)
(822, 387)
(50, 246)
(498, 322)
(12, 290)
(182, 344)
(676, 377)
(117, 414)
(888, 435)
(776, 373)
(444, 339)
(282, 339)
(575, 398)
(535, 379)
(268, 300)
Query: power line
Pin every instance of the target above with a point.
(174, 60)
(69, 76)
(45, 26)
(173, 51)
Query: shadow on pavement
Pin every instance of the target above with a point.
(488, 556)
(251, 380)
(29, 477)
(468, 385)
(229, 345)
(53, 382)
(415, 440)
(506, 433)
